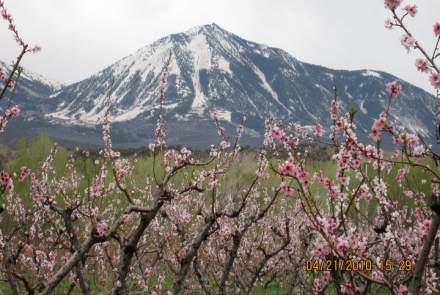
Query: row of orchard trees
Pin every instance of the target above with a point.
(105, 227)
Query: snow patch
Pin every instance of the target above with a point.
(412, 124)
(322, 88)
(330, 76)
(224, 115)
(370, 73)
(199, 48)
(171, 106)
(55, 85)
(201, 60)
(223, 64)
(267, 86)
(362, 108)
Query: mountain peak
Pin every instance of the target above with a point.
(210, 66)
(206, 28)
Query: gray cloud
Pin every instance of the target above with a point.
(81, 37)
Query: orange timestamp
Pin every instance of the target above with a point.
(354, 265)
(339, 265)
(401, 265)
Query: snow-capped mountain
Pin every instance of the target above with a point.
(33, 93)
(211, 67)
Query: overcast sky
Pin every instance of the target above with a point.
(81, 37)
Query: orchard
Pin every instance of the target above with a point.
(176, 222)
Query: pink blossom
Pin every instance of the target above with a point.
(408, 42)
(284, 188)
(394, 89)
(168, 156)
(378, 275)
(412, 139)
(356, 163)
(411, 10)
(375, 134)
(35, 49)
(422, 64)
(125, 218)
(28, 248)
(426, 225)
(287, 169)
(435, 80)
(13, 111)
(342, 246)
(392, 4)
(437, 29)
(334, 105)
(318, 130)
(330, 224)
(388, 24)
(24, 172)
(402, 290)
(321, 250)
(277, 132)
(101, 227)
(5, 179)
(401, 174)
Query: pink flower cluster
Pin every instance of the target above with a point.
(329, 224)
(422, 65)
(334, 105)
(108, 152)
(411, 10)
(13, 111)
(287, 169)
(285, 188)
(319, 284)
(101, 227)
(392, 4)
(408, 42)
(5, 179)
(318, 130)
(24, 173)
(328, 184)
(7, 16)
(11, 26)
(296, 171)
(402, 173)
(437, 29)
(427, 64)
(435, 80)
(425, 226)
(125, 218)
(394, 89)
(377, 127)
(389, 24)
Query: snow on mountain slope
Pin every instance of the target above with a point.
(33, 94)
(34, 77)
